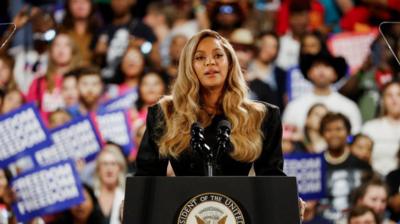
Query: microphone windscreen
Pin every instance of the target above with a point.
(224, 124)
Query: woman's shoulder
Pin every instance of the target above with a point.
(268, 108)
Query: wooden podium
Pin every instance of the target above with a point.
(219, 200)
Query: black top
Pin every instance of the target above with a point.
(270, 161)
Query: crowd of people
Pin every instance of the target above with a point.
(80, 54)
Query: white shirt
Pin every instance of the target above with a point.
(386, 137)
(296, 111)
(289, 51)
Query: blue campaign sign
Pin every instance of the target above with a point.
(77, 139)
(21, 132)
(122, 102)
(46, 190)
(310, 172)
(114, 126)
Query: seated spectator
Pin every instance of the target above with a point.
(385, 130)
(362, 215)
(322, 70)
(344, 171)
(361, 147)
(109, 182)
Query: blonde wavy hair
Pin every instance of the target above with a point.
(183, 107)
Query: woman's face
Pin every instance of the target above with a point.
(5, 74)
(132, 63)
(391, 100)
(311, 45)
(375, 198)
(80, 9)
(12, 100)
(362, 148)
(109, 169)
(151, 88)
(314, 119)
(61, 50)
(210, 64)
(70, 91)
(3, 183)
(82, 211)
(268, 49)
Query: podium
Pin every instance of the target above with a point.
(219, 200)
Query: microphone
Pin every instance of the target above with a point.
(223, 138)
(198, 145)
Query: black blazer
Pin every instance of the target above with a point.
(189, 163)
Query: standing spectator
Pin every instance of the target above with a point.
(59, 118)
(113, 41)
(152, 87)
(312, 139)
(46, 90)
(290, 43)
(311, 215)
(128, 73)
(178, 41)
(90, 88)
(31, 63)
(69, 89)
(242, 41)
(12, 100)
(264, 71)
(296, 83)
(361, 147)
(226, 16)
(6, 72)
(322, 70)
(87, 212)
(80, 23)
(109, 182)
(344, 171)
(373, 194)
(393, 181)
(385, 130)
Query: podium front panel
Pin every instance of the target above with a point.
(168, 200)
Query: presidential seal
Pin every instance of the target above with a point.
(211, 208)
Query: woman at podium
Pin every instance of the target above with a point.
(210, 90)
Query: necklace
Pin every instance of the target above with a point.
(336, 160)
